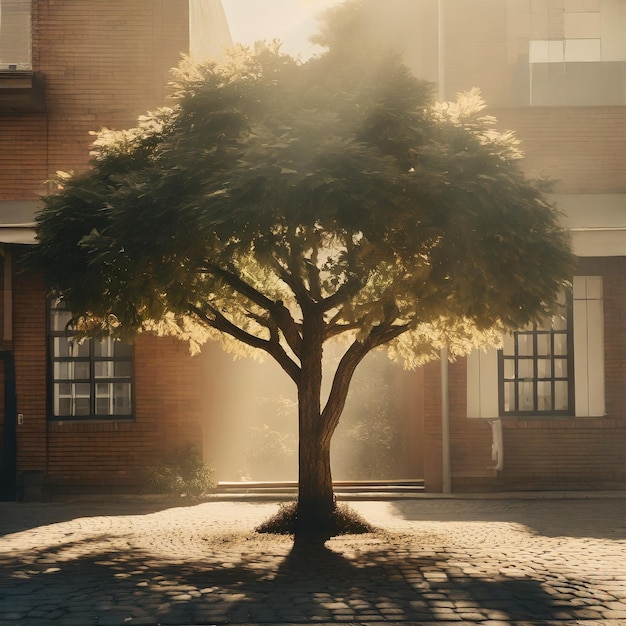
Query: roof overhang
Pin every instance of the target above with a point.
(17, 221)
(597, 222)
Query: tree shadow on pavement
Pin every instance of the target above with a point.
(597, 517)
(270, 583)
(19, 516)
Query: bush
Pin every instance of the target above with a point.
(342, 521)
(185, 476)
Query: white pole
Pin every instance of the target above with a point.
(445, 424)
(441, 52)
(445, 408)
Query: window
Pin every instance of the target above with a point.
(536, 369)
(556, 369)
(91, 379)
(15, 35)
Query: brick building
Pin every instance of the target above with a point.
(68, 68)
(548, 410)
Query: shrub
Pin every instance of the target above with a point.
(186, 475)
(342, 521)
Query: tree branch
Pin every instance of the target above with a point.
(348, 289)
(277, 310)
(314, 276)
(341, 384)
(333, 329)
(299, 290)
(240, 286)
(379, 335)
(271, 346)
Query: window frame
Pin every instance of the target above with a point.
(86, 355)
(20, 57)
(534, 357)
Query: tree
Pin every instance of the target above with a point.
(280, 205)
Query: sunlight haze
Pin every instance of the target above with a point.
(290, 21)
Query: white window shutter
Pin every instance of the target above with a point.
(482, 383)
(589, 346)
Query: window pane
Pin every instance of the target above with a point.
(560, 395)
(544, 396)
(525, 368)
(103, 347)
(560, 368)
(82, 390)
(543, 344)
(103, 369)
(60, 347)
(82, 398)
(525, 345)
(122, 399)
(103, 406)
(59, 320)
(123, 369)
(509, 369)
(509, 397)
(81, 406)
(544, 368)
(104, 400)
(79, 349)
(81, 370)
(63, 370)
(559, 323)
(525, 392)
(560, 344)
(63, 407)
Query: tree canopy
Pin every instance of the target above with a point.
(280, 204)
(273, 185)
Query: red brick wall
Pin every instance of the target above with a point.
(103, 64)
(29, 347)
(168, 415)
(23, 160)
(470, 440)
(168, 395)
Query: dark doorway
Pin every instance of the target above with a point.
(8, 458)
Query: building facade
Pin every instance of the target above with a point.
(546, 411)
(84, 416)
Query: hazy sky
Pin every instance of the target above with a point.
(291, 21)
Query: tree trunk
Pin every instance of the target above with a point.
(316, 501)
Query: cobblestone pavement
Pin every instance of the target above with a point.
(492, 562)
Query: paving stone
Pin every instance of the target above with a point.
(489, 562)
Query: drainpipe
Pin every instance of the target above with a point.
(445, 406)
(445, 424)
